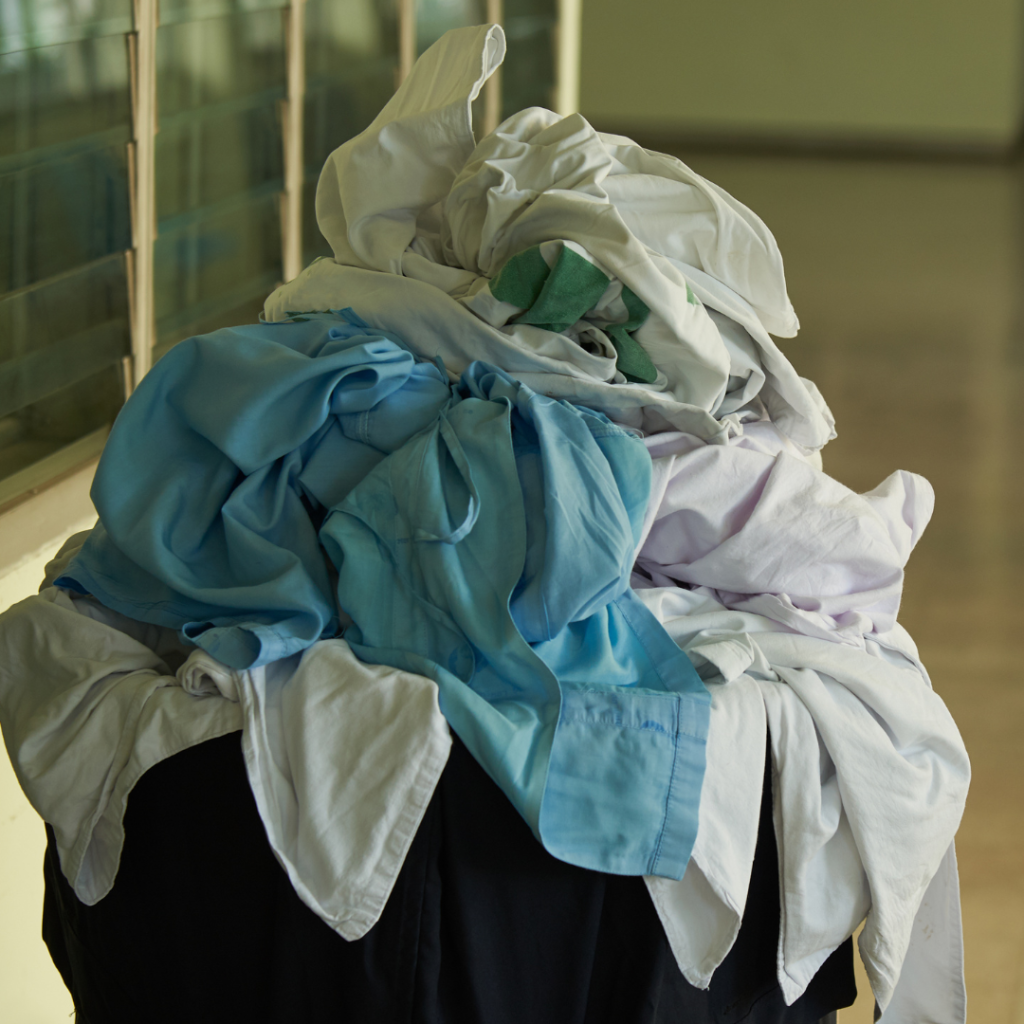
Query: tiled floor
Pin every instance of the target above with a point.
(908, 281)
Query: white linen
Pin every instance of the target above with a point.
(342, 757)
(768, 533)
(415, 198)
(433, 324)
(791, 582)
(870, 777)
(86, 709)
(931, 983)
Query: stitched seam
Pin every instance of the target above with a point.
(668, 797)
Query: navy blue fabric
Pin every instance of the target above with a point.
(482, 926)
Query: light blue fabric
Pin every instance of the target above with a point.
(561, 683)
(483, 537)
(203, 485)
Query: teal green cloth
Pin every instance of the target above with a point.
(557, 297)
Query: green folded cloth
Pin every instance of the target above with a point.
(557, 297)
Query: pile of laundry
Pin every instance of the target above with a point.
(523, 461)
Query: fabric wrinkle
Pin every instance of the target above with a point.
(522, 463)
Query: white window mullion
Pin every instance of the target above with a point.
(294, 165)
(492, 90)
(567, 56)
(406, 38)
(143, 186)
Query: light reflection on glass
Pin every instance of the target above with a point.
(64, 223)
(25, 24)
(351, 68)
(219, 175)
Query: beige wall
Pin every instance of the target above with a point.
(946, 71)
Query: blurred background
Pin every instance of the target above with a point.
(158, 162)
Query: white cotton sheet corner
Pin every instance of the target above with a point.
(86, 710)
(343, 759)
(702, 912)
(869, 779)
(931, 983)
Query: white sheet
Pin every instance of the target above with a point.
(414, 197)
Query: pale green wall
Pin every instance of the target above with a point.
(917, 70)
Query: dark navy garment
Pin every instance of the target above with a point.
(483, 926)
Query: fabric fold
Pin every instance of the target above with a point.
(416, 197)
(596, 729)
(522, 460)
(771, 534)
(866, 838)
(204, 485)
(482, 536)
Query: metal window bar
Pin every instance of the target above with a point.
(291, 227)
(492, 90)
(568, 29)
(142, 169)
(406, 39)
(142, 185)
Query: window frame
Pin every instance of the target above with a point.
(42, 484)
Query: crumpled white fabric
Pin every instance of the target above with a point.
(87, 706)
(870, 776)
(414, 198)
(766, 532)
(343, 759)
(870, 773)
(432, 324)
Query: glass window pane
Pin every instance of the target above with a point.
(203, 160)
(219, 166)
(208, 62)
(528, 74)
(65, 122)
(61, 93)
(435, 17)
(216, 264)
(34, 319)
(173, 11)
(29, 23)
(61, 377)
(59, 214)
(351, 67)
(54, 422)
